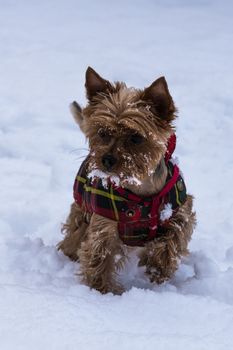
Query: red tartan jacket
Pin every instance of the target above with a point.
(138, 217)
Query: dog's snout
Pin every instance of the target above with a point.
(108, 161)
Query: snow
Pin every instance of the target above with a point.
(132, 180)
(166, 213)
(105, 178)
(114, 179)
(45, 47)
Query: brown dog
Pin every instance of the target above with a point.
(128, 191)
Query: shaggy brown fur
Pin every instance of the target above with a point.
(131, 127)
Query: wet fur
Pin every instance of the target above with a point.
(118, 112)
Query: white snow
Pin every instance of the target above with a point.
(114, 179)
(166, 213)
(132, 180)
(98, 174)
(104, 177)
(45, 48)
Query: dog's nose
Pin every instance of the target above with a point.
(108, 161)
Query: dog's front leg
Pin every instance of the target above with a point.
(102, 255)
(162, 255)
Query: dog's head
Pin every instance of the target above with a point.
(127, 128)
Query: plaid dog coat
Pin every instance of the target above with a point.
(138, 217)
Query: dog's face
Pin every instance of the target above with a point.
(127, 129)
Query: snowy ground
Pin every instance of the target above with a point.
(45, 47)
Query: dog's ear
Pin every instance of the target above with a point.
(76, 112)
(95, 83)
(158, 96)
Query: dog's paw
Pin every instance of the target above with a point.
(157, 276)
(115, 289)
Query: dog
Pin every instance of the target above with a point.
(129, 191)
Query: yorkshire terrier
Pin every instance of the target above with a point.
(129, 191)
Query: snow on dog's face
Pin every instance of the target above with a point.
(127, 128)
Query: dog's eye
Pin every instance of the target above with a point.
(104, 135)
(136, 139)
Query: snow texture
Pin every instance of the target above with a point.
(166, 213)
(45, 48)
(105, 178)
(117, 181)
